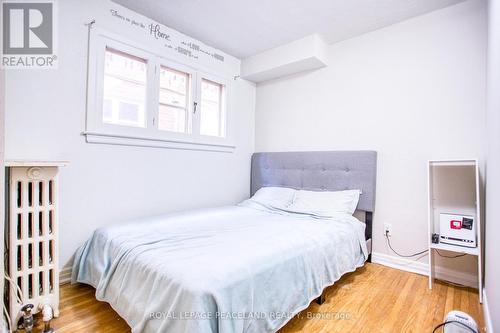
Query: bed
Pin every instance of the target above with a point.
(239, 268)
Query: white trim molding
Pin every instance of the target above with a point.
(65, 275)
(487, 314)
(123, 140)
(422, 269)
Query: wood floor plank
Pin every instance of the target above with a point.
(375, 298)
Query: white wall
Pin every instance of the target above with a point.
(3, 324)
(492, 278)
(105, 184)
(412, 91)
(2, 180)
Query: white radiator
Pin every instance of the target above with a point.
(33, 238)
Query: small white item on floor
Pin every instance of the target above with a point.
(459, 322)
(47, 315)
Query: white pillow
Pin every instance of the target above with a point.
(278, 197)
(325, 203)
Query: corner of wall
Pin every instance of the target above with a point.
(487, 314)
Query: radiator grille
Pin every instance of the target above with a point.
(33, 237)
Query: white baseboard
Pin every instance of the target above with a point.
(65, 275)
(487, 314)
(422, 268)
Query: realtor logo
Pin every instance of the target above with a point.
(28, 34)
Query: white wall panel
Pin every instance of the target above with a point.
(492, 269)
(413, 91)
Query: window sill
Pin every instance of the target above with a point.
(122, 140)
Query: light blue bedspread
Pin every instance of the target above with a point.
(232, 269)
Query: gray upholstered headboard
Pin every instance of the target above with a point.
(318, 170)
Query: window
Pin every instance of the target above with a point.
(174, 100)
(212, 116)
(140, 98)
(124, 95)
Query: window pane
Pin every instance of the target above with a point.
(107, 109)
(128, 112)
(174, 80)
(174, 100)
(171, 119)
(212, 117)
(124, 89)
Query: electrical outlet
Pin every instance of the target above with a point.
(387, 229)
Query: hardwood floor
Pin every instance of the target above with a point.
(375, 298)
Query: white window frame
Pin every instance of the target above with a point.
(223, 101)
(96, 131)
(167, 135)
(190, 94)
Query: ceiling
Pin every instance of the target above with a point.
(246, 27)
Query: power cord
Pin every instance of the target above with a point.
(418, 253)
(7, 317)
(402, 255)
(450, 257)
(16, 292)
(456, 284)
(456, 322)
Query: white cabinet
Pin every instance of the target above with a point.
(454, 188)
